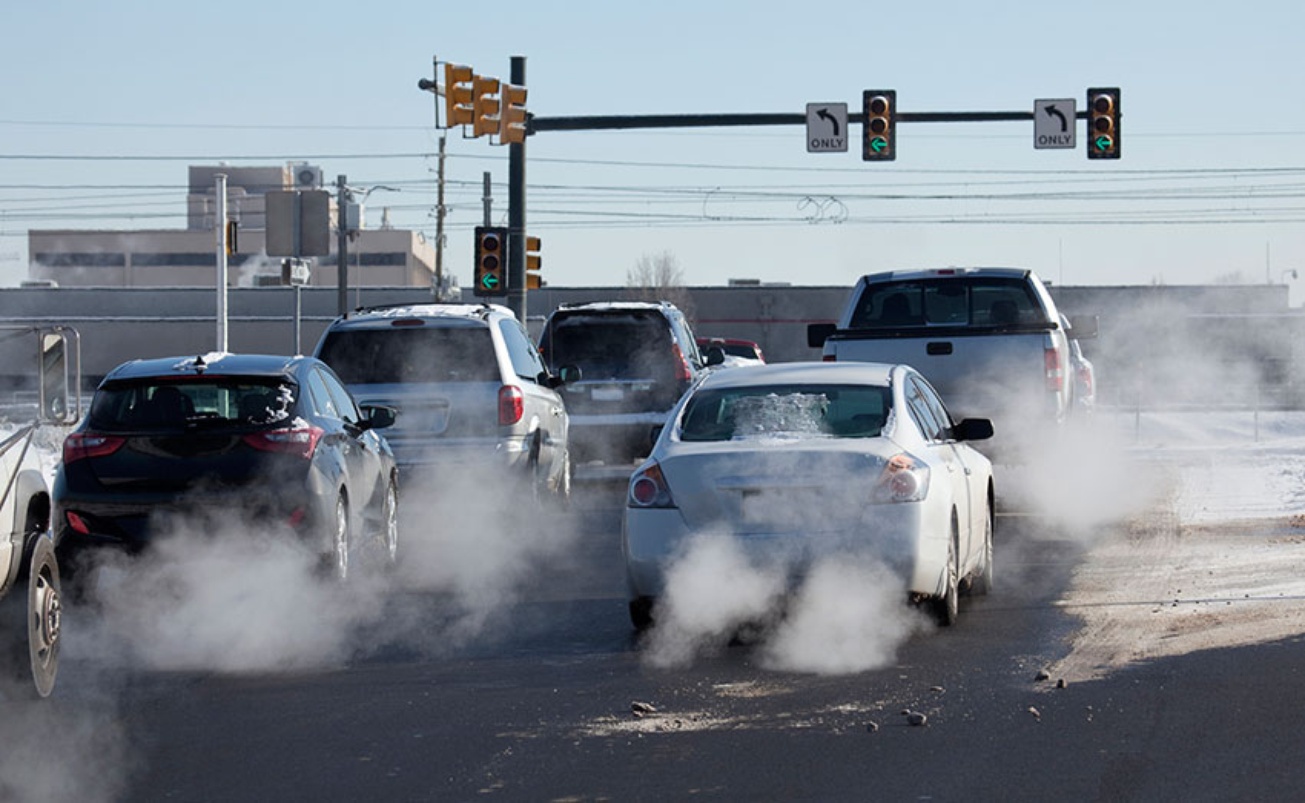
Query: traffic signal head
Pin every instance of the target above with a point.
(1103, 123)
(512, 114)
(534, 262)
(879, 141)
(457, 94)
(491, 261)
(486, 106)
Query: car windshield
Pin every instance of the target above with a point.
(167, 404)
(840, 411)
(411, 354)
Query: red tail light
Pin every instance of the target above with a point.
(682, 372)
(1055, 370)
(648, 489)
(511, 405)
(828, 358)
(904, 479)
(89, 444)
(299, 441)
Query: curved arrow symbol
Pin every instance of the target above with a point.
(831, 119)
(1053, 111)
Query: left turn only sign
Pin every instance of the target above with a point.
(826, 127)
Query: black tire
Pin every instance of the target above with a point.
(641, 610)
(32, 622)
(946, 608)
(981, 583)
(389, 530)
(337, 534)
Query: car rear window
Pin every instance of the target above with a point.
(411, 354)
(842, 411)
(983, 301)
(612, 346)
(209, 402)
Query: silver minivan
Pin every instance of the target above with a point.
(468, 384)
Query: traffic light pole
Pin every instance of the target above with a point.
(516, 266)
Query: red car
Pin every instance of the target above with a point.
(737, 352)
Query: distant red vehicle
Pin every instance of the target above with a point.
(737, 352)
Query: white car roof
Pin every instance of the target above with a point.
(939, 273)
(779, 373)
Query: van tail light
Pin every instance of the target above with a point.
(682, 372)
(511, 405)
(828, 358)
(904, 479)
(89, 444)
(648, 488)
(298, 441)
(1055, 370)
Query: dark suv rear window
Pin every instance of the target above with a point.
(612, 346)
(411, 354)
(169, 405)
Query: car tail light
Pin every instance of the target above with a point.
(298, 441)
(648, 488)
(78, 523)
(511, 405)
(89, 444)
(828, 358)
(1055, 370)
(904, 479)
(1085, 376)
(682, 372)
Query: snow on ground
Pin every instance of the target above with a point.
(1214, 559)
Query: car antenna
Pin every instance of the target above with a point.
(200, 365)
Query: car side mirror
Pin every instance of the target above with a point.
(973, 429)
(1084, 327)
(715, 355)
(818, 333)
(378, 416)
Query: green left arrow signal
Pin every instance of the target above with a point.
(1103, 142)
(489, 281)
(879, 144)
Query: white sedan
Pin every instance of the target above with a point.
(796, 461)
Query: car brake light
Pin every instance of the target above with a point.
(648, 488)
(828, 358)
(904, 479)
(89, 444)
(681, 365)
(1055, 370)
(511, 405)
(298, 441)
(77, 523)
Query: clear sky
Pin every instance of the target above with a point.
(1210, 186)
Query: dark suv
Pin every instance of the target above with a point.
(635, 359)
(471, 390)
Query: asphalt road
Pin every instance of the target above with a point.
(540, 707)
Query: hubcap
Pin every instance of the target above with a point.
(48, 611)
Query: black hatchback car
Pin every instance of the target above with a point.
(235, 437)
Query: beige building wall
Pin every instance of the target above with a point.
(188, 257)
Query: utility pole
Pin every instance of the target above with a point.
(516, 266)
(439, 219)
(487, 198)
(342, 244)
(220, 226)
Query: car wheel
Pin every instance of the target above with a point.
(947, 606)
(338, 558)
(33, 622)
(641, 609)
(981, 584)
(390, 524)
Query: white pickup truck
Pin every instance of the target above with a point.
(990, 340)
(31, 609)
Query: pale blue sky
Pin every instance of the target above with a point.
(1211, 183)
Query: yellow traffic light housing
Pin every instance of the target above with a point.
(512, 114)
(1103, 123)
(486, 106)
(879, 139)
(457, 95)
(534, 262)
(491, 261)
